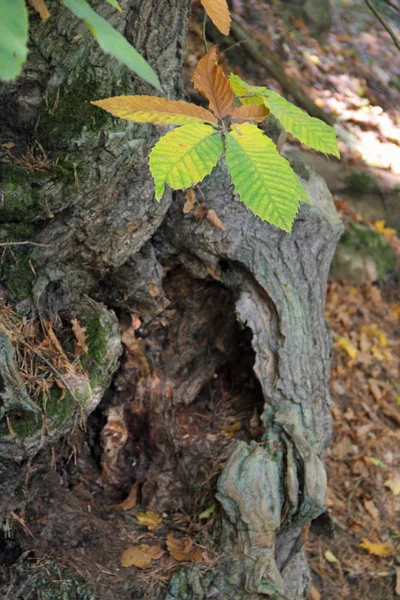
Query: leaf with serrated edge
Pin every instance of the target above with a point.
(218, 11)
(13, 38)
(115, 4)
(209, 79)
(111, 41)
(264, 180)
(250, 112)
(310, 131)
(184, 157)
(160, 111)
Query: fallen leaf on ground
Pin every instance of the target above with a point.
(183, 550)
(140, 556)
(314, 594)
(348, 347)
(383, 549)
(149, 519)
(130, 501)
(229, 430)
(393, 483)
(206, 514)
(330, 557)
(371, 509)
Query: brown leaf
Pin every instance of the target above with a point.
(140, 556)
(200, 213)
(210, 81)
(190, 201)
(214, 219)
(53, 341)
(41, 8)
(398, 581)
(314, 594)
(183, 550)
(80, 337)
(371, 509)
(149, 519)
(377, 549)
(130, 501)
(218, 12)
(250, 112)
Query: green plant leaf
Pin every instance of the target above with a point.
(113, 42)
(13, 38)
(310, 131)
(115, 4)
(184, 157)
(264, 180)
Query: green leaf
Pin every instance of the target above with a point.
(263, 179)
(113, 42)
(184, 157)
(115, 4)
(310, 131)
(13, 38)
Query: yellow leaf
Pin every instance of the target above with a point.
(382, 229)
(140, 556)
(393, 484)
(377, 354)
(41, 8)
(209, 79)
(348, 347)
(330, 557)
(183, 550)
(250, 112)
(377, 549)
(218, 12)
(149, 519)
(229, 430)
(150, 109)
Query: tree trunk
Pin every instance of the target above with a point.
(226, 321)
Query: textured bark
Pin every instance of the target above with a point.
(108, 239)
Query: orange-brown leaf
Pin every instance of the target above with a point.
(41, 8)
(218, 12)
(209, 79)
(80, 337)
(140, 556)
(250, 112)
(183, 550)
(150, 109)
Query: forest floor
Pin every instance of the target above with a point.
(352, 549)
(355, 77)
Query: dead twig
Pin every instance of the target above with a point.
(383, 21)
(25, 243)
(392, 5)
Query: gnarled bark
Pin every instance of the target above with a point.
(106, 238)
